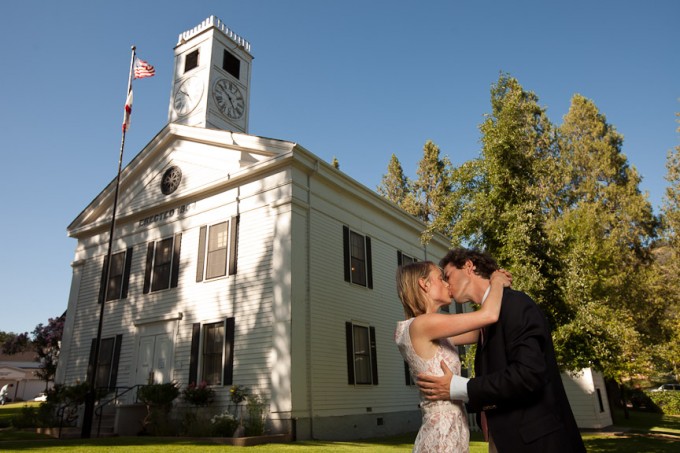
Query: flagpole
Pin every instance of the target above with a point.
(92, 392)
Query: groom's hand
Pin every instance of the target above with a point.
(435, 387)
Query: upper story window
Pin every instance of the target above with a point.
(116, 285)
(403, 258)
(217, 250)
(231, 64)
(357, 258)
(191, 61)
(362, 357)
(162, 264)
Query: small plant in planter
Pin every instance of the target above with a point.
(200, 395)
(238, 394)
(224, 424)
(158, 399)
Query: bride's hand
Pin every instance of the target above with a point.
(502, 276)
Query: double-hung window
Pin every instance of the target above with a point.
(362, 357)
(162, 264)
(217, 250)
(212, 353)
(107, 362)
(357, 258)
(115, 278)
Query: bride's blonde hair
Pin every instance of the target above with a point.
(412, 297)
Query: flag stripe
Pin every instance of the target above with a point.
(128, 111)
(143, 69)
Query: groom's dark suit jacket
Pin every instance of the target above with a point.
(517, 383)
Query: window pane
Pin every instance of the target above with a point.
(358, 259)
(405, 259)
(213, 347)
(115, 284)
(104, 362)
(191, 61)
(217, 250)
(231, 64)
(162, 262)
(362, 357)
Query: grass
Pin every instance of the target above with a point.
(642, 432)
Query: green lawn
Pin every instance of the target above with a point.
(642, 432)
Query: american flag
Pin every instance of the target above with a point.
(143, 69)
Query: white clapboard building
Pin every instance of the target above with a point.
(243, 260)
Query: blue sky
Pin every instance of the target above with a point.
(355, 79)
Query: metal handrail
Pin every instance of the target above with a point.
(100, 407)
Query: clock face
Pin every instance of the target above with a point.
(229, 98)
(187, 95)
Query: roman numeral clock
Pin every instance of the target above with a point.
(211, 84)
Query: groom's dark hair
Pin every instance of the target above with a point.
(485, 265)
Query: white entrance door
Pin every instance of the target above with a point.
(154, 361)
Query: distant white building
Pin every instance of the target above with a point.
(20, 369)
(245, 260)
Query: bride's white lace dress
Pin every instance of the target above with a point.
(445, 426)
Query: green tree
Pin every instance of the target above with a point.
(499, 202)
(429, 193)
(394, 184)
(47, 341)
(601, 231)
(667, 254)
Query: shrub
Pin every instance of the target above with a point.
(238, 394)
(668, 401)
(257, 415)
(198, 395)
(224, 424)
(25, 419)
(158, 399)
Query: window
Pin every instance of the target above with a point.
(191, 61)
(362, 359)
(357, 255)
(116, 285)
(213, 346)
(231, 64)
(217, 250)
(599, 399)
(403, 259)
(162, 264)
(107, 363)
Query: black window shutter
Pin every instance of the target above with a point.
(104, 280)
(174, 278)
(126, 273)
(201, 253)
(149, 266)
(90, 361)
(229, 352)
(349, 331)
(193, 360)
(369, 263)
(345, 247)
(399, 258)
(114, 361)
(233, 244)
(374, 357)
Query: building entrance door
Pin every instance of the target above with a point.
(154, 363)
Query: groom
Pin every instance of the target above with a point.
(517, 387)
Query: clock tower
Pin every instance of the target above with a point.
(211, 83)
